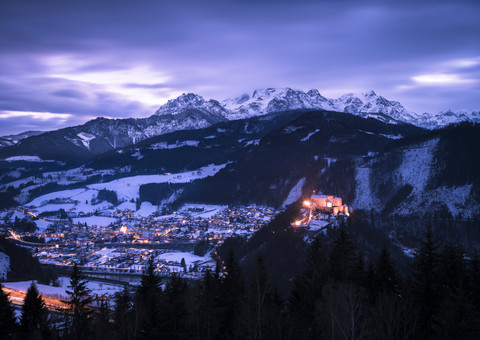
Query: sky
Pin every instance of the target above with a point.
(63, 63)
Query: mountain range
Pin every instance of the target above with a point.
(191, 111)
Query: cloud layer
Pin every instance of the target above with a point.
(77, 60)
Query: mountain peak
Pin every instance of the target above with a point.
(185, 101)
(369, 94)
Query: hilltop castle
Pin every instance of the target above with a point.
(329, 204)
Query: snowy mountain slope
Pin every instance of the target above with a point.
(14, 139)
(447, 117)
(274, 100)
(190, 111)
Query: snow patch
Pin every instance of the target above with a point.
(85, 138)
(309, 135)
(416, 165)
(146, 209)
(294, 194)
(26, 159)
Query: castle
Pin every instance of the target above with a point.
(328, 204)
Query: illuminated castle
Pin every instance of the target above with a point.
(329, 204)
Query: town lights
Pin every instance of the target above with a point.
(297, 223)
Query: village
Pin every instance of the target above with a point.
(122, 243)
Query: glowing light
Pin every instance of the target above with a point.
(306, 203)
(297, 223)
(123, 229)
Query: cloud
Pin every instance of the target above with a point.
(122, 59)
(440, 79)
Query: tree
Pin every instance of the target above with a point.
(123, 315)
(7, 316)
(79, 300)
(183, 264)
(264, 305)
(174, 309)
(425, 283)
(342, 256)
(208, 312)
(231, 294)
(147, 302)
(307, 291)
(34, 315)
(386, 277)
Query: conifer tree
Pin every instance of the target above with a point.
(209, 312)
(123, 314)
(147, 304)
(264, 307)
(174, 309)
(386, 278)
(7, 316)
(80, 298)
(34, 315)
(342, 256)
(426, 290)
(231, 294)
(307, 290)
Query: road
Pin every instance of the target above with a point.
(17, 297)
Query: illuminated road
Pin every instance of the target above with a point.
(17, 297)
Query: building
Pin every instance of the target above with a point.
(329, 204)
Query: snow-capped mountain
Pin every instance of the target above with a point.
(447, 117)
(190, 101)
(14, 139)
(269, 100)
(366, 105)
(191, 111)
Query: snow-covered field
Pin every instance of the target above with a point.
(100, 221)
(127, 188)
(190, 258)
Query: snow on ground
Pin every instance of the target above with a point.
(42, 200)
(126, 206)
(165, 145)
(4, 265)
(127, 188)
(97, 287)
(416, 164)
(146, 209)
(364, 198)
(100, 221)
(309, 135)
(294, 194)
(26, 159)
(85, 138)
(42, 225)
(392, 136)
(18, 214)
(318, 224)
(204, 210)
(189, 258)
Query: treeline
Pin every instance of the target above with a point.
(336, 296)
(23, 266)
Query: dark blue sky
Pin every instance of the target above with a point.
(64, 62)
